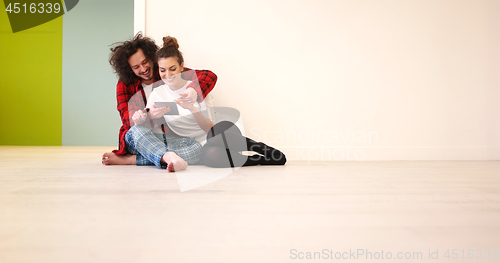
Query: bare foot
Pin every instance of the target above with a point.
(113, 159)
(175, 163)
(170, 167)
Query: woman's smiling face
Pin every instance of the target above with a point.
(170, 72)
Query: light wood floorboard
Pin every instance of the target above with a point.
(60, 204)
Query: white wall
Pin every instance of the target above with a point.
(350, 79)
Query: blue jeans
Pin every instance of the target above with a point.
(150, 147)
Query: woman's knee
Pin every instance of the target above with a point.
(221, 127)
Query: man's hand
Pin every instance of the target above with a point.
(158, 112)
(139, 117)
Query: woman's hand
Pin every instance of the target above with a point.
(158, 112)
(139, 117)
(189, 95)
(187, 99)
(185, 103)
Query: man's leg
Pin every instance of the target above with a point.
(187, 148)
(142, 142)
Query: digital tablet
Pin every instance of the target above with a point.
(171, 104)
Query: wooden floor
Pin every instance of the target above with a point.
(59, 204)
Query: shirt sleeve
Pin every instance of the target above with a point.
(123, 96)
(209, 101)
(203, 81)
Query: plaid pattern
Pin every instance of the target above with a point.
(203, 82)
(187, 148)
(150, 147)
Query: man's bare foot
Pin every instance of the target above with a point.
(113, 159)
(175, 163)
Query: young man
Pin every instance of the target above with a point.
(134, 62)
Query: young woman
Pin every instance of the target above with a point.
(222, 142)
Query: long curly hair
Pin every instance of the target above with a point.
(124, 50)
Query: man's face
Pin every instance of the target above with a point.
(141, 66)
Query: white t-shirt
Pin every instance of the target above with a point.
(184, 124)
(147, 89)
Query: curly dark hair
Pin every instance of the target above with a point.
(124, 50)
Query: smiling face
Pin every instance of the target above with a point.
(170, 72)
(141, 66)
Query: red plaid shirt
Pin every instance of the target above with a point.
(203, 81)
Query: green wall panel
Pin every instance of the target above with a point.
(30, 83)
(57, 86)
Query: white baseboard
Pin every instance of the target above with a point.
(391, 154)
